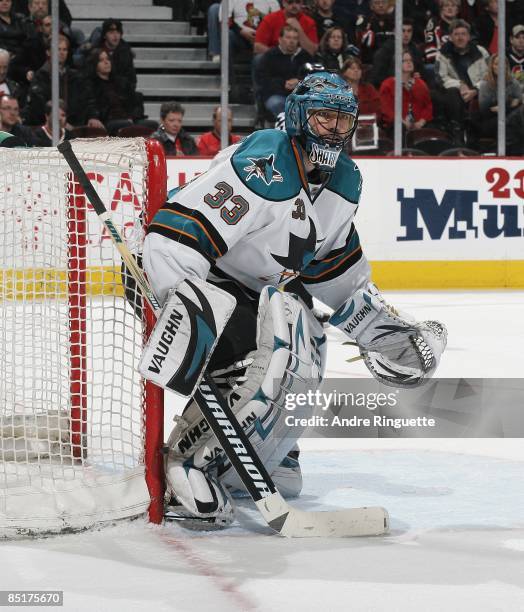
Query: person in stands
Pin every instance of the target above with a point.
(43, 135)
(368, 97)
(376, 29)
(515, 54)
(115, 96)
(209, 143)
(436, 32)
(326, 15)
(459, 68)
(109, 37)
(486, 26)
(486, 124)
(384, 60)
(333, 50)
(278, 71)
(74, 90)
(12, 30)
(417, 109)
(292, 14)
(10, 121)
(174, 139)
(8, 86)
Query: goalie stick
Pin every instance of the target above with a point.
(279, 515)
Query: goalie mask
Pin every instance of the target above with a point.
(322, 113)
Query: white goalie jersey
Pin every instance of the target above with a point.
(253, 217)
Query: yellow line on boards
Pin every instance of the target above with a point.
(40, 283)
(448, 274)
(51, 283)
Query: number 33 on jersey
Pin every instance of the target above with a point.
(253, 217)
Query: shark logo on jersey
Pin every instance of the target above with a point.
(263, 168)
(301, 250)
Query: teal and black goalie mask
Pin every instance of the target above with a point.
(321, 113)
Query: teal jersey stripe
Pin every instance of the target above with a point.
(335, 263)
(188, 227)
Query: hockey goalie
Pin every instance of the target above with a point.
(236, 257)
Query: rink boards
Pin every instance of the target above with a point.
(428, 223)
(423, 223)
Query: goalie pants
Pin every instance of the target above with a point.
(239, 335)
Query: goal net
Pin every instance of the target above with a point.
(80, 431)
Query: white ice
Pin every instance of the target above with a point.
(456, 507)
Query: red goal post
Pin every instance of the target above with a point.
(80, 432)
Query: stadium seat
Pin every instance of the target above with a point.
(409, 152)
(459, 152)
(434, 146)
(487, 145)
(413, 137)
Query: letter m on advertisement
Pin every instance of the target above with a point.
(457, 206)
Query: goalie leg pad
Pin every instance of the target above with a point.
(185, 335)
(290, 358)
(200, 494)
(296, 343)
(288, 475)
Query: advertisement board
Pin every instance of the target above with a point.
(432, 223)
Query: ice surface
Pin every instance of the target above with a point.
(456, 506)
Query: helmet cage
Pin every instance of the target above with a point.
(335, 133)
(317, 92)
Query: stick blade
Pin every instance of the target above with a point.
(293, 523)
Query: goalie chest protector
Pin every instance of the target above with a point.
(251, 215)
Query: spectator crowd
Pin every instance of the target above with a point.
(97, 79)
(449, 70)
(449, 60)
(97, 85)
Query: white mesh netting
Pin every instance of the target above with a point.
(71, 401)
